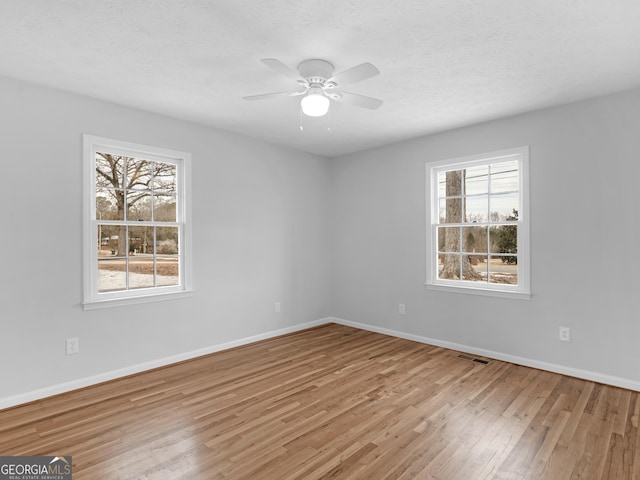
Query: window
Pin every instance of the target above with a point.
(479, 229)
(137, 231)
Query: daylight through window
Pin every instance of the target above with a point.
(136, 223)
(479, 225)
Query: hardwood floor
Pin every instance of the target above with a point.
(336, 403)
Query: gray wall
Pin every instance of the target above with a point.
(260, 228)
(585, 237)
(342, 237)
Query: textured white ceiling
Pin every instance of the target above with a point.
(443, 63)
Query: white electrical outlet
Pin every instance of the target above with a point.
(277, 307)
(73, 345)
(401, 309)
(564, 334)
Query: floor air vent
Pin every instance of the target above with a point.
(473, 359)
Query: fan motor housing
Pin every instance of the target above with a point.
(315, 70)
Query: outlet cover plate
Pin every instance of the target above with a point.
(72, 345)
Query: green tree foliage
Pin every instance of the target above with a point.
(507, 241)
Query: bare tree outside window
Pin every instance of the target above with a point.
(130, 189)
(137, 223)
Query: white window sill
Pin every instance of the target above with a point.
(118, 302)
(485, 292)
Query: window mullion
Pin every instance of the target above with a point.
(460, 229)
(489, 255)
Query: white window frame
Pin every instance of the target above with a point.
(94, 299)
(520, 291)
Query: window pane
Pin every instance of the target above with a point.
(449, 239)
(140, 240)
(480, 266)
(504, 177)
(139, 174)
(112, 274)
(109, 170)
(453, 181)
(167, 248)
(474, 239)
(113, 239)
(167, 240)
(141, 271)
(167, 269)
(477, 208)
(138, 206)
(451, 210)
(107, 245)
(165, 177)
(141, 261)
(449, 266)
(442, 210)
(477, 180)
(504, 269)
(164, 208)
(106, 204)
(504, 239)
(504, 208)
(442, 184)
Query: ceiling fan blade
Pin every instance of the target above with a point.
(264, 96)
(357, 100)
(282, 69)
(355, 74)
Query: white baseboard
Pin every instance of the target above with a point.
(141, 367)
(41, 393)
(527, 362)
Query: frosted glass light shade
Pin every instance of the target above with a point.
(315, 105)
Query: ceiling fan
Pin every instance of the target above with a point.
(320, 85)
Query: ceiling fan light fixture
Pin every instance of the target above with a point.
(320, 85)
(314, 104)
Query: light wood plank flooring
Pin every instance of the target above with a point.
(335, 403)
